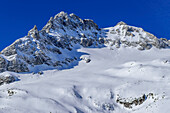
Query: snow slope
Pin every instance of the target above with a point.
(79, 68)
(94, 87)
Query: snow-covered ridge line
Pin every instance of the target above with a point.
(55, 46)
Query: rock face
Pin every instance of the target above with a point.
(55, 46)
(3, 64)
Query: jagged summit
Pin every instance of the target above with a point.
(121, 23)
(34, 32)
(73, 15)
(55, 46)
(61, 14)
(71, 21)
(34, 29)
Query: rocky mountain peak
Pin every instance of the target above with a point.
(75, 17)
(55, 46)
(34, 29)
(34, 32)
(62, 14)
(130, 36)
(71, 21)
(121, 23)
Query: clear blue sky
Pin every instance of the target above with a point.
(17, 17)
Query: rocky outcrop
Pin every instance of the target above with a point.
(34, 33)
(128, 103)
(7, 79)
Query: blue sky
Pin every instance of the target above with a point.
(17, 17)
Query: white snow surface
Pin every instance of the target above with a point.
(93, 87)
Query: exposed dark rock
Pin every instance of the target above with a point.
(86, 42)
(7, 79)
(17, 66)
(11, 92)
(3, 64)
(40, 73)
(88, 60)
(101, 40)
(135, 101)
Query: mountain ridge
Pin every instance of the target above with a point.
(55, 46)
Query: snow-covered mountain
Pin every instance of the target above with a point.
(73, 66)
(54, 46)
(129, 36)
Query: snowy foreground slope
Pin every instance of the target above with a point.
(94, 87)
(72, 66)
